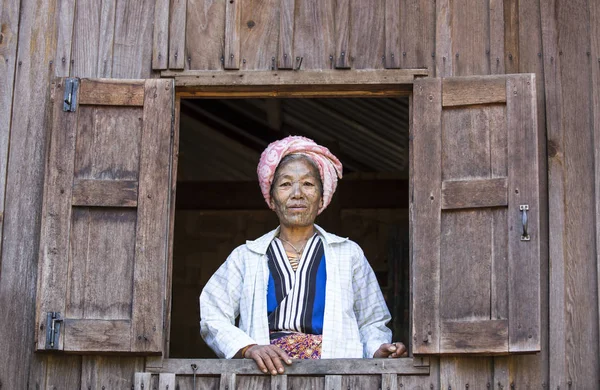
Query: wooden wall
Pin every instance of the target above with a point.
(559, 40)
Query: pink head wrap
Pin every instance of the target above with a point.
(329, 166)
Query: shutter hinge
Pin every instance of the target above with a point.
(71, 90)
(53, 321)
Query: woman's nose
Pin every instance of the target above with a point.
(296, 190)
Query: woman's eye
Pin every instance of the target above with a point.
(285, 184)
(309, 184)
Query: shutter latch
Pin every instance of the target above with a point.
(524, 208)
(53, 322)
(70, 98)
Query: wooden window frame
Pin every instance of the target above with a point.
(282, 84)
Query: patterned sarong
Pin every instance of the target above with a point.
(300, 345)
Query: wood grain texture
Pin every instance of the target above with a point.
(9, 22)
(160, 38)
(314, 34)
(510, 58)
(227, 381)
(418, 34)
(443, 39)
(404, 366)
(367, 34)
(460, 372)
(107, 38)
(111, 92)
(260, 34)
(233, 16)
(286, 34)
(425, 214)
(470, 37)
(473, 90)
(206, 24)
(524, 256)
(27, 58)
(56, 215)
(63, 372)
(93, 336)
(110, 372)
(341, 58)
(62, 59)
(177, 27)
(142, 380)
(166, 381)
(461, 194)
(389, 382)
(109, 193)
(132, 51)
(465, 336)
(153, 217)
(86, 38)
(333, 382)
(392, 34)
(495, 50)
(279, 382)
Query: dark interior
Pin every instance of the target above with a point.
(219, 205)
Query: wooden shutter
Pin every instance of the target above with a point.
(476, 281)
(103, 248)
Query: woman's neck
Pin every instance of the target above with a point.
(296, 234)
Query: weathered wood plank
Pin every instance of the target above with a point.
(391, 55)
(460, 194)
(470, 37)
(259, 31)
(279, 382)
(524, 256)
(417, 34)
(495, 51)
(86, 39)
(464, 91)
(132, 51)
(426, 204)
(510, 57)
(463, 372)
(233, 15)
(489, 336)
(109, 193)
(177, 28)
(160, 40)
(286, 34)
(330, 77)
(389, 382)
(63, 372)
(9, 20)
(94, 335)
(26, 66)
(227, 381)
(443, 39)
(367, 47)
(110, 372)
(62, 59)
(313, 383)
(153, 216)
(142, 380)
(56, 214)
(166, 381)
(105, 44)
(333, 382)
(111, 92)
(206, 24)
(404, 366)
(314, 34)
(341, 58)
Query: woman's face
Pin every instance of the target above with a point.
(296, 193)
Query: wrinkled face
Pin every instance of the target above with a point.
(296, 193)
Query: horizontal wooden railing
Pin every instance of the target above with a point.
(165, 374)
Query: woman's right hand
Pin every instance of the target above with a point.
(268, 358)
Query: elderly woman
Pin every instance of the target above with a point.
(300, 292)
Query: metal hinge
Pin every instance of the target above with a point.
(53, 322)
(70, 98)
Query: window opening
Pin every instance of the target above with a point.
(219, 205)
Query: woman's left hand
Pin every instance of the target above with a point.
(393, 350)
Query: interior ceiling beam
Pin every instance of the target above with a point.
(351, 194)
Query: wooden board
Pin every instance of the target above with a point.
(314, 34)
(341, 59)
(417, 34)
(132, 50)
(160, 43)
(110, 372)
(177, 28)
(62, 59)
(86, 38)
(367, 34)
(260, 34)
(24, 175)
(286, 34)
(233, 15)
(206, 24)
(391, 57)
